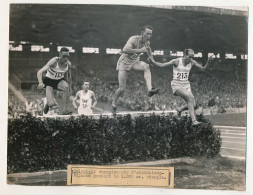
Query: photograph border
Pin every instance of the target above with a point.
(11, 189)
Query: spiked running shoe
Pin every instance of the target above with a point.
(195, 123)
(46, 109)
(114, 110)
(153, 91)
(66, 112)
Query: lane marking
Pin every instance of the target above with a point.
(229, 127)
(232, 130)
(237, 157)
(233, 137)
(234, 142)
(234, 133)
(232, 148)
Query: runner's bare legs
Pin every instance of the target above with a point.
(122, 86)
(189, 98)
(64, 87)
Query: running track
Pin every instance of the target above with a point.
(233, 141)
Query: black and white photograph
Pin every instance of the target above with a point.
(128, 85)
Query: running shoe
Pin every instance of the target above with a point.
(114, 110)
(153, 91)
(195, 123)
(66, 112)
(46, 109)
(179, 113)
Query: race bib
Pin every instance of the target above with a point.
(134, 56)
(54, 75)
(58, 75)
(84, 103)
(182, 76)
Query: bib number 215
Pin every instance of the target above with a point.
(182, 75)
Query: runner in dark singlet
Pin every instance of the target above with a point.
(57, 69)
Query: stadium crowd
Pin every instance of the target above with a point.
(222, 86)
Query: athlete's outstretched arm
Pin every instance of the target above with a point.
(41, 102)
(69, 76)
(94, 100)
(128, 48)
(203, 68)
(149, 52)
(171, 62)
(76, 98)
(44, 69)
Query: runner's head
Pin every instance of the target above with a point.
(64, 54)
(86, 85)
(188, 55)
(146, 32)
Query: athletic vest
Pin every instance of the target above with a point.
(56, 72)
(136, 45)
(181, 72)
(85, 100)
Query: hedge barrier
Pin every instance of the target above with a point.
(51, 144)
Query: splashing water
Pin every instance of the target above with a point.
(19, 95)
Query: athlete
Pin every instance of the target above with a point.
(87, 100)
(130, 60)
(57, 70)
(180, 84)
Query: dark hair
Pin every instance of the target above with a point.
(186, 51)
(143, 28)
(64, 49)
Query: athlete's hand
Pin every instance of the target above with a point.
(71, 98)
(151, 59)
(149, 52)
(210, 58)
(70, 90)
(41, 86)
(144, 49)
